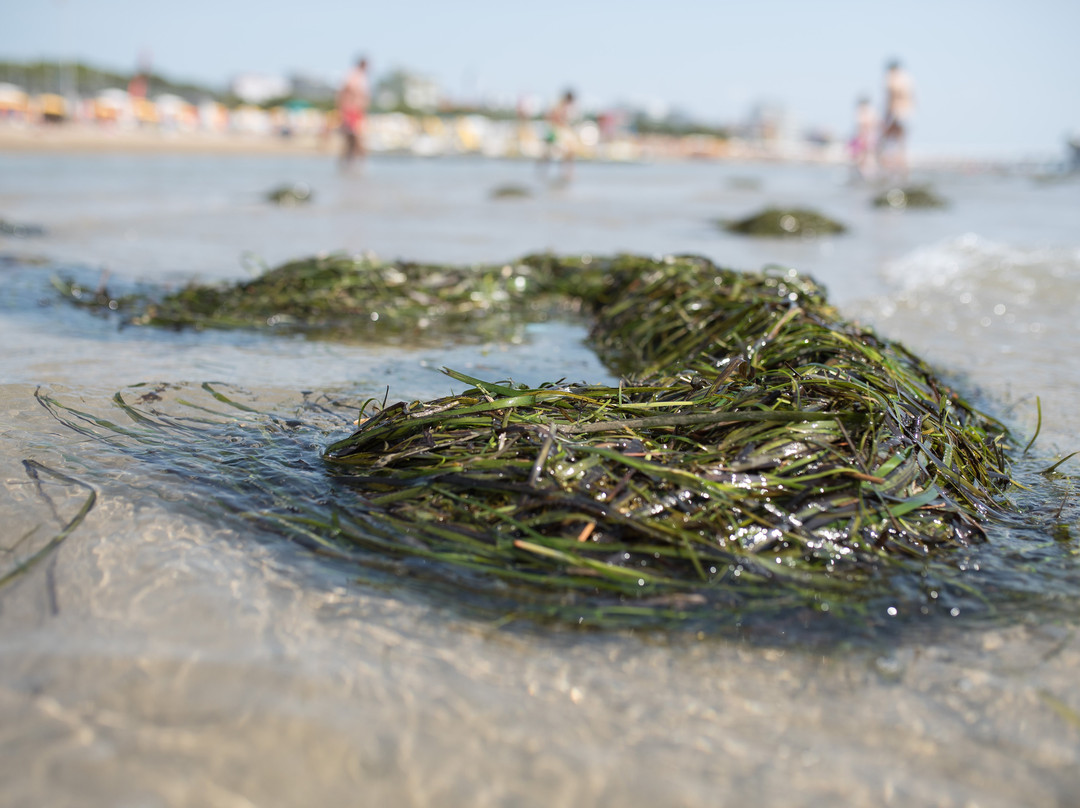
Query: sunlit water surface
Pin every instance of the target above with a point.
(162, 657)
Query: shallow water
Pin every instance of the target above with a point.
(160, 657)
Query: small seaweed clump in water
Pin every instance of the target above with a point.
(784, 223)
(761, 455)
(287, 195)
(915, 196)
(510, 191)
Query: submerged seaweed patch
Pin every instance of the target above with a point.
(761, 454)
(67, 501)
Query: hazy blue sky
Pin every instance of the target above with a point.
(991, 77)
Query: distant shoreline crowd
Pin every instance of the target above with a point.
(121, 120)
(116, 121)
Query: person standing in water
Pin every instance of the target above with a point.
(899, 104)
(352, 104)
(559, 139)
(862, 142)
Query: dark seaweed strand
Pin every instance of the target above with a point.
(34, 470)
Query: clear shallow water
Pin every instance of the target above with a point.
(158, 658)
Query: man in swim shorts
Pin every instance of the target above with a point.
(352, 103)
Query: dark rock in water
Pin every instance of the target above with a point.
(511, 192)
(297, 194)
(784, 223)
(20, 230)
(908, 197)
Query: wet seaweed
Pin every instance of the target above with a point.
(785, 223)
(298, 193)
(757, 432)
(511, 191)
(363, 297)
(97, 299)
(20, 229)
(15, 560)
(761, 455)
(906, 197)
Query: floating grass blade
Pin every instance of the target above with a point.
(34, 470)
(1054, 467)
(1038, 424)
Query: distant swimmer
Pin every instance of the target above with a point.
(899, 104)
(352, 103)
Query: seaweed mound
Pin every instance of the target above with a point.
(759, 454)
(914, 196)
(762, 442)
(785, 223)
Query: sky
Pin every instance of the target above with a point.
(992, 78)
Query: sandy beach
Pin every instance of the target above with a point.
(88, 139)
(393, 133)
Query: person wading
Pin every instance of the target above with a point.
(352, 103)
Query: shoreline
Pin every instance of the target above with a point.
(81, 139)
(86, 139)
(78, 139)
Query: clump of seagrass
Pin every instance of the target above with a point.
(760, 454)
(98, 299)
(785, 223)
(362, 296)
(914, 196)
(759, 442)
(298, 193)
(511, 191)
